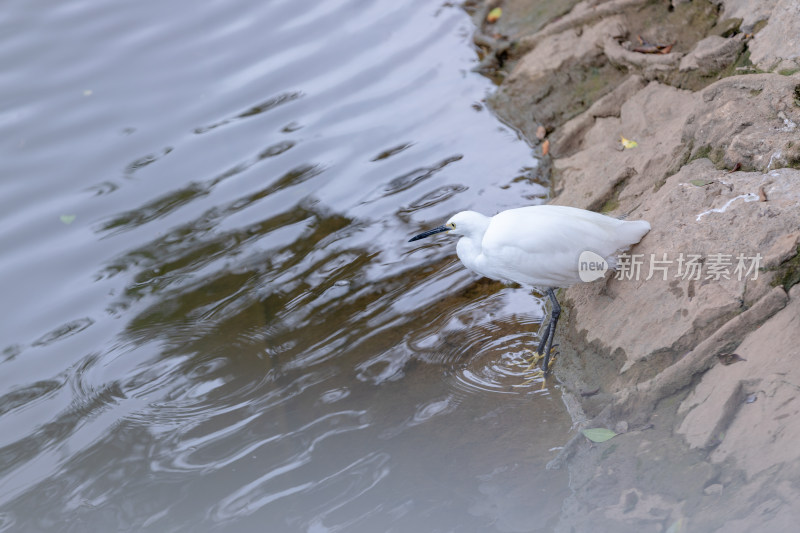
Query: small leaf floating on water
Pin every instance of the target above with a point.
(494, 15)
(730, 358)
(546, 147)
(67, 219)
(598, 434)
(701, 183)
(627, 143)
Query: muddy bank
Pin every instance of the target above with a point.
(692, 355)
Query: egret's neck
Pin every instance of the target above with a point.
(469, 246)
(473, 226)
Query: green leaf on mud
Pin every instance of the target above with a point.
(598, 434)
(701, 183)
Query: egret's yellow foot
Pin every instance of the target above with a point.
(533, 361)
(537, 374)
(552, 359)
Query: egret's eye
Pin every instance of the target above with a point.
(452, 225)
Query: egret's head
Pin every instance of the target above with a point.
(464, 223)
(467, 223)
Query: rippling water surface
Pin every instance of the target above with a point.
(212, 318)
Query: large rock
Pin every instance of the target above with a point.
(746, 407)
(653, 117)
(695, 206)
(712, 54)
(565, 67)
(751, 12)
(749, 121)
(570, 138)
(648, 324)
(555, 80)
(777, 46)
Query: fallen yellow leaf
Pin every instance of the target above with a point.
(627, 143)
(494, 14)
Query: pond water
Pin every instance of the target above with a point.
(213, 319)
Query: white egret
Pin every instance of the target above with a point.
(541, 247)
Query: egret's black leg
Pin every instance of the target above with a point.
(550, 332)
(543, 338)
(546, 335)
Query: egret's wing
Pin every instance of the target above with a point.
(541, 245)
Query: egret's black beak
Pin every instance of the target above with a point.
(429, 233)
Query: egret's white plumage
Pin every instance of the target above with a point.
(539, 246)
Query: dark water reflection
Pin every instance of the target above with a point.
(214, 321)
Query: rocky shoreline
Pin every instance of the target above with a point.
(695, 368)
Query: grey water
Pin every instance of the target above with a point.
(212, 320)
